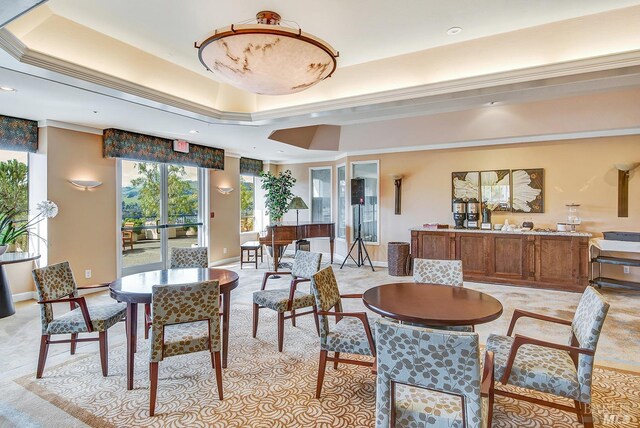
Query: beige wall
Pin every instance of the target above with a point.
(224, 231)
(83, 232)
(579, 171)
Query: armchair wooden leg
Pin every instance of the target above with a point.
(74, 336)
(280, 330)
(256, 314)
(293, 317)
(578, 407)
(104, 358)
(216, 356)
(44, 348)
(336, 355)
(321, 369)
(147, 320)
(315, 317)
(587, 417)
(153, 388)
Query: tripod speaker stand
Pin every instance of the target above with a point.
(361, 252)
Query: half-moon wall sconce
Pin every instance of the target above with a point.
(623, 186)
(86, 184)
(225, 190)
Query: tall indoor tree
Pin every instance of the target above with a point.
(277, 193)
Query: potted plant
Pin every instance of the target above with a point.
(277, 193)
(11, 229)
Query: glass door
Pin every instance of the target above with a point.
(161, 209)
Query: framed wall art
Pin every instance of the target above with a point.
(464, 185)
(495, 189)
(527, 190)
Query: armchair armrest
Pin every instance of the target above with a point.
(520, 340)
(517, 314)
(80, 301)
(268, 274)
(292, 289)
(486, 388)
(362, 316)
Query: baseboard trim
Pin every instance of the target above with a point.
(224, 261)
(27, 295)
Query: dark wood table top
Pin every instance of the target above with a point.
(432, 304)
(8, 258)
(136, 288)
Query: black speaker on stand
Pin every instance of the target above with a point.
(357, 198)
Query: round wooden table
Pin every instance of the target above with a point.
(135, 289)
(432, 304)
(6, 300)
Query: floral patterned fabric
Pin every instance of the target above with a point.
(447, 272)
(175, 308)
(278, 300)
(536, 367)
(586, 326)
(57, 282)
(189, 257)
(102, 317)
(441, 361)
(250, 166)
(305, 264)
(18, 134)
(140, 147)
(348, 335)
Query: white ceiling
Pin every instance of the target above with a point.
(361, 30)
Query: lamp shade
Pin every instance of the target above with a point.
(297, 204)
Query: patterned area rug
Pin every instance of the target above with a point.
(264, 388)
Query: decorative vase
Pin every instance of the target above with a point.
(3, 249)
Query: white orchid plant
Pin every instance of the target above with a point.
(11, 229)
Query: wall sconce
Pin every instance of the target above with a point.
(623, 186)
(397, 179)
(86, 184)
(225, 190)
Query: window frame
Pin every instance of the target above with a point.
(255, 184)
(320, 168)
(377, 163)
(345, 199)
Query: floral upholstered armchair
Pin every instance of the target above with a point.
(351, 332)
(56, 284)
(563, 370)
(431, 378)
(186, 319)
(196, 257)
(446, 272)
(284, 300)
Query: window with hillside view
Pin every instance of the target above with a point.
(247, 203)
(14, 189)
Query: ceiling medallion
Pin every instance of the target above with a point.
(267, 58)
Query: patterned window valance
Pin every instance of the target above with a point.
(250, 166)
(18, 134)
(140, 147)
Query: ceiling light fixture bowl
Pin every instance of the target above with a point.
(267, 58)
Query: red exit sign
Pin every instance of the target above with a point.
(181, 146)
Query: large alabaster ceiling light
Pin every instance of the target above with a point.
(267, 58)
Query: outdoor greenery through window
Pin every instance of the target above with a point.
(14, 189)
(247, 203)
(144, 218)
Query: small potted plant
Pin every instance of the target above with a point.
(12, 230)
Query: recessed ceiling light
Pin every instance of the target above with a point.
(7, 89)
(492, 103)
(453, 31)
(280, 151)
(193, 131)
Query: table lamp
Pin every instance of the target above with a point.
(297, 204)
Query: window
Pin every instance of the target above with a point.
(14, 189)
(160, 209)
(247, 203)
(320, 194)
(367, 214)
(342, 203)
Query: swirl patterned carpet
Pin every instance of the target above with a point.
(264, 388)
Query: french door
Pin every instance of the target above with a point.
(161, 207)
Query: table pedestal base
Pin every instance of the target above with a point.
(6, 300)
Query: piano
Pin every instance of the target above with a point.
(278, 236)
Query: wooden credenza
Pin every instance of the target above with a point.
(557, 261)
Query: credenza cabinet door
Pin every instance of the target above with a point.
(437, 246)
(507, 257)
(471, 249)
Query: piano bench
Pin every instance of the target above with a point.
(248, 248)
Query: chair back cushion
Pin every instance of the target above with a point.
(325, 290)
(189, 257)
(184, 303)
(447, 272)
(437, 360)
(305, 264)
(53, 282)
(586, 326)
